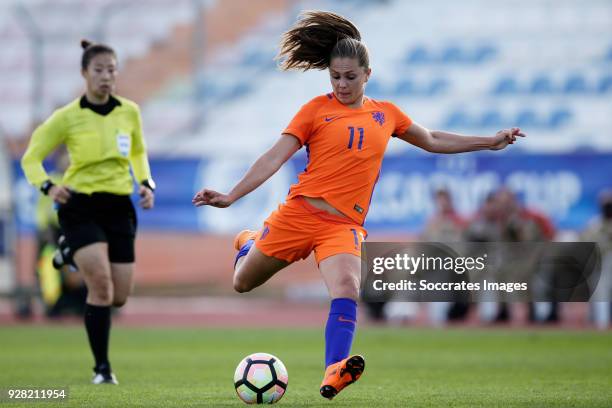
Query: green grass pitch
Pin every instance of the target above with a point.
(178, 367)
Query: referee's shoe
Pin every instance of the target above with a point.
(103, 375)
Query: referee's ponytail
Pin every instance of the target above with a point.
(316, 38)
(91, 49)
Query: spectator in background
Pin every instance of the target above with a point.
(600, 231)
(485, 226)
(520, 224)
(445, 225)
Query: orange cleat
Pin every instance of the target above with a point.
(341, 374)
(242, 237)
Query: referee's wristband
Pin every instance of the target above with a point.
(149, 183)
(46, 186)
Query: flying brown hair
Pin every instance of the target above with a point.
(316, 38)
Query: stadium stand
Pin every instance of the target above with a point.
(51, 75)
(444, 73)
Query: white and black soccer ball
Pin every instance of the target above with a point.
(261, 378)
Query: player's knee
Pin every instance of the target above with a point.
(347, 287)
(102, 291)
(119, 302)
(241, 286)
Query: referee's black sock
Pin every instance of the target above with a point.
(98, 323)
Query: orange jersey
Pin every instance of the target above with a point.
(345, 149)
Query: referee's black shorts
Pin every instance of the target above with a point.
(100, 217)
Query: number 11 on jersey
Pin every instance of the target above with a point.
(352, 137)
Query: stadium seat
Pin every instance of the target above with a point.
(405, 87)
(239, 90)
(575, 84)
(437, 87)
(605, 84)
(457, 120)
(506, 86)
(256, 58)
(453, 54)
(526, 119)
(483, 54)
(491, 119)
(541, 85)
(559, 117)
(418, 55)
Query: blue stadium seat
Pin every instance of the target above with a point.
(506, 86)
(437, 86)
(239, 90)
(405, 87)
(484, 53)
(452, 54)
(541, 85)
(575, 84)
(491, 118)
(418, 55)
(527, 118)
(559, 117)
(252, 58)
(457, 119)
(605, 84)
(455, 54)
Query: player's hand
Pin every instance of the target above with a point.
(147, 197)
(59, 194)
(212, 198)
(505, 137)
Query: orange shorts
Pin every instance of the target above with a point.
(297, 228)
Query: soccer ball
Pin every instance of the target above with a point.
(261, 378)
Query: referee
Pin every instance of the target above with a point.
(103, 135)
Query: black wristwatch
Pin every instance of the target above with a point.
(46, 186)
(149, 183)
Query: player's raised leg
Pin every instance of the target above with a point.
(342, 275)
(252, 268)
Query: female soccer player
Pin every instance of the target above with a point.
(345, 134)
(103, 134)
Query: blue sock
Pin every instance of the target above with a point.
(244, 250)
(340, 329)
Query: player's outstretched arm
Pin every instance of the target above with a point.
(437, 141)
(260, 171)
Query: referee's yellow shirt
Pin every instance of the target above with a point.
(101, 147)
